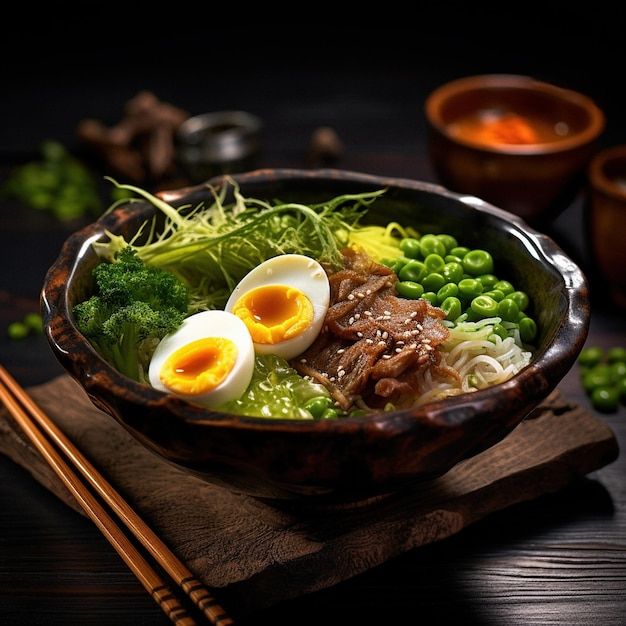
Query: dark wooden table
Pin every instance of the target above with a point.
(560, 559)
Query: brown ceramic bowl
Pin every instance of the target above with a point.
(516, 142)
(606, 216)
(346, 459)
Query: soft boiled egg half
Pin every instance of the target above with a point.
(209, 359)
(283, 303)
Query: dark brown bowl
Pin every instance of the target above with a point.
(537, 176)
(353, 458)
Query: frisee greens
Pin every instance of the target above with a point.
(212, 246)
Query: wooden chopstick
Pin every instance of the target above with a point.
(43, 433)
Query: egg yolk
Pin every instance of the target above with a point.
(199, 366)
(274, 313)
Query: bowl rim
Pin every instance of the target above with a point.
(62, 334)
(480, 82)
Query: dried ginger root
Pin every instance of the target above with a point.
(141, 146)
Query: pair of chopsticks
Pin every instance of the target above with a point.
(92, 491)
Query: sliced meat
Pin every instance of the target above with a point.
(374, 343)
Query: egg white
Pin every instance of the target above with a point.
(207, 324)
(302, 273)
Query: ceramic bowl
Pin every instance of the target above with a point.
(348, 459)
(514, 141)
(605, 214)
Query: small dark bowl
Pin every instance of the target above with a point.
(535, 166)
(353, 458)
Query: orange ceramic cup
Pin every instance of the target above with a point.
(606, 219)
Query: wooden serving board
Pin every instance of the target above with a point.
(255, 553)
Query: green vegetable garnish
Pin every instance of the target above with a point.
(133, 307)
(212, 247)
(277, 390)
(58, 183)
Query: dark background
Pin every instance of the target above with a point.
(557, 559)
(89, 65)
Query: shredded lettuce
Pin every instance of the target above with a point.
(211, 247)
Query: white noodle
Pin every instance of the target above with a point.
(479, 355)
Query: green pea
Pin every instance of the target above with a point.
(521, 299)
(430, 244)
(470, 287)
(590, 356)
(431, 296)
(597, 376)
(500, 330)
(434, 262)
(409, 289)
(447, 291)
(504, 286)
(616, 354)
(459, 251)
(485, 306)
(451, 258)
(605, 399)
(330, 414)
(410, 247)
(617, 370)
(433, 281)
(477, 262)
(508, 309)
(394, 264)
(34, 323)
(452, 271)
(452, 307)
(620, 385)
(17, 330)
(413, 270)
(448, 241)
(528, 329)
(496, 294)
(472, 381)
(317, 406)
(488, 280)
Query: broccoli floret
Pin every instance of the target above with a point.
(134, 306)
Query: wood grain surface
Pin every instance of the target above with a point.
(295, 549)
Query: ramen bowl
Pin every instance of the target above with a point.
(351, 458)
(514, 141)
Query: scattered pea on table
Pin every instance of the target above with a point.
(603, 376)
